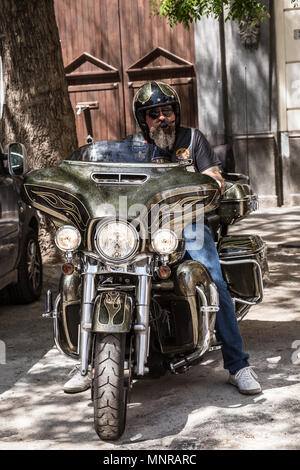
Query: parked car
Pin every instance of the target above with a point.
(20, 256)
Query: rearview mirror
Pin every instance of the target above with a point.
(17, 162)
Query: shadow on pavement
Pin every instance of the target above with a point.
(26, 335)
(199, 403)
(196, 410)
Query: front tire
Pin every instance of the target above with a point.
(109, 393)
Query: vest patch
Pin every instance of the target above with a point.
(182, 154)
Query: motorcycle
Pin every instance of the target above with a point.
(130, 302)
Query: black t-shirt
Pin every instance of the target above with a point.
(199, 149)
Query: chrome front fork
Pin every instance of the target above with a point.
(141, 328)
(88, 296)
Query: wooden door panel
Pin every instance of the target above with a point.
(91, 26)
(103, 121)
(142, 34)
(101, 41)
(90, 39)
(186, 91)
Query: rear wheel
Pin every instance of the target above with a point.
(109, 392)
(30, 276)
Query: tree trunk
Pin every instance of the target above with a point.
(38, 111)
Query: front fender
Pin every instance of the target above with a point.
(112, 313)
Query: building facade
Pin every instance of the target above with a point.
(240, 85)
(110, 47)
(249, 97)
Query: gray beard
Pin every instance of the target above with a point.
(163, 139)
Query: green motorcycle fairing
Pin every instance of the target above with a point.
(70, 193)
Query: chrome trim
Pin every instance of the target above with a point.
(164, 285)
(120, 177)
(120, 287)
(90, 254)
(131, 268)
(164, 255)
(71, 227)
(215, 348)
(128, 165)
(55, 315)
(141, 328)
(237, 254)
(238, 175)
(88, 295)
(242, 254)
(248, 198)
(102, 255)
(214, 294)
(78, 340)
(206, 310)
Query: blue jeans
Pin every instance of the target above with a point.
(227, 330)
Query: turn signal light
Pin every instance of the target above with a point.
(68, 268)
(164, 272)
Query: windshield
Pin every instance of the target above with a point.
(117, 152)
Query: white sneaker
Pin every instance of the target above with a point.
(244, 380)
(78, 383)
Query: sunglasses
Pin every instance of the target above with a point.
(155, 113)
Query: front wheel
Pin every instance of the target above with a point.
(109, 393)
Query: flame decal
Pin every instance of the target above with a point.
(60, 204)
(189, 208)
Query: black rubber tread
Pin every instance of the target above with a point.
(109, 394)
(24, 292)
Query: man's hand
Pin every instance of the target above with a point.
(214, 172)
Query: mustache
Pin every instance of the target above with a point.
(163, 125)
(166, 124)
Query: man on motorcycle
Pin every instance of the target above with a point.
(156, 107)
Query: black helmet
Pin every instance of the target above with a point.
(152, 95)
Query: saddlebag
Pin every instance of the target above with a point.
(237, 202)
(243, 263)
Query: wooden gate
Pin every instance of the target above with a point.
(111, 47)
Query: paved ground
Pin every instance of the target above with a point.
(279, 227)
(197, 410)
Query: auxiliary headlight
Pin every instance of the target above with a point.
(164, 241)
(67, 238)
(116, 240)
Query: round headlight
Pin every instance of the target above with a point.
(67, 238)
(164, 241)
(116, 240)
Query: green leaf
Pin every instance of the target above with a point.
(187, 11)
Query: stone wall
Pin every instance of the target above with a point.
(237, 99)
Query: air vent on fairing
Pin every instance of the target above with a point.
(119, 178)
